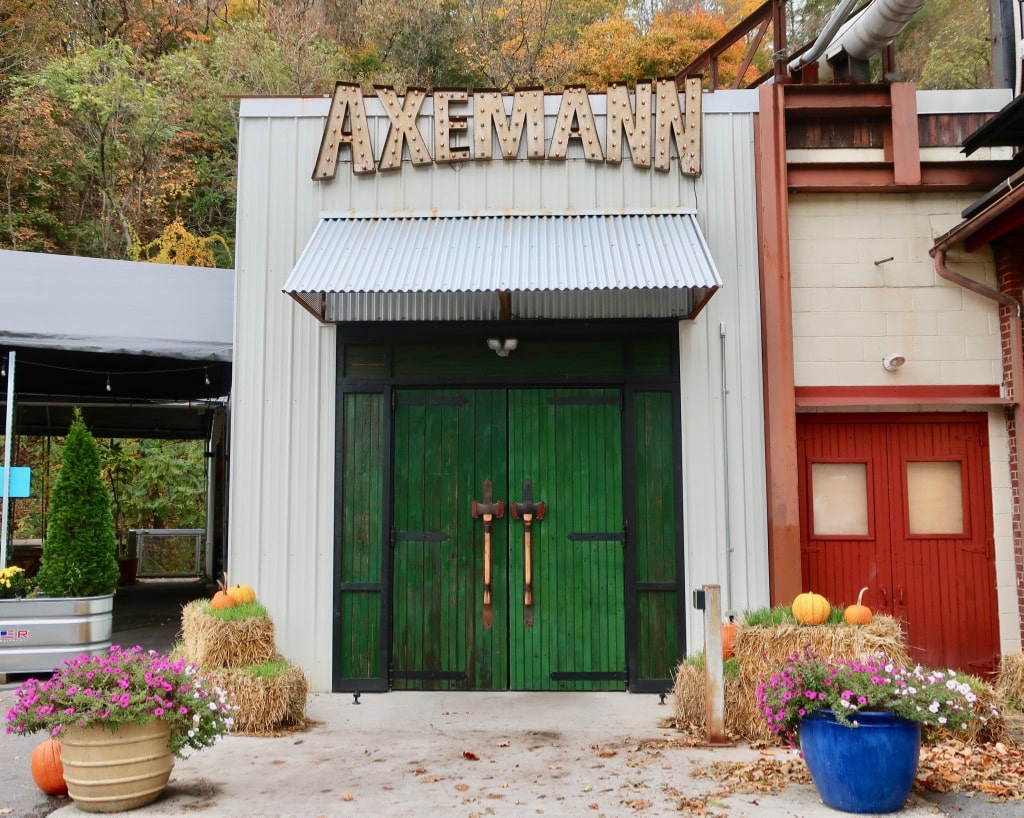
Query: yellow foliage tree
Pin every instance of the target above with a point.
(176, 245)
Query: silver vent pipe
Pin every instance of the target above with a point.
(863, 36)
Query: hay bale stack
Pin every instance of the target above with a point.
(1010, 680)
(266, 704)
(214, 643)
(761, 651)
(241, 656)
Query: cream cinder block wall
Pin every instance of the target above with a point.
(865, 287)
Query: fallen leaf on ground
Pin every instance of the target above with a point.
(347, 796)
(466, 754)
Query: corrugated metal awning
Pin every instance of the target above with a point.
(483, 266)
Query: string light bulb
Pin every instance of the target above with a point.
(3, 369)
(206, 376)
(108, 381)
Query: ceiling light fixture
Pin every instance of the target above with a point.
(502, 348)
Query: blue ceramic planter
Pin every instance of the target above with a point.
(869, 768)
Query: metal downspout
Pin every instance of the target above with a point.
(725, 472)
(938, 253)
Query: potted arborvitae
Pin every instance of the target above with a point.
(72, 610)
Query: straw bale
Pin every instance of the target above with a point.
(688, 692)
(213, 643)
(762, 650)
(1010, 680)
(265, 705)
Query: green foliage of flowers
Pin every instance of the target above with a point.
(126, 686)
(246, 610)
(14, 584)
(80, 553)
(807, 683)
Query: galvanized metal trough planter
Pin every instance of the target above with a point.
(37, 634)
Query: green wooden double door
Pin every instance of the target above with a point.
(565, 445)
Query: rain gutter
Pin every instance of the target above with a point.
(938, 253)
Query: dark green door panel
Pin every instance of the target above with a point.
(655, 539)
(568, 443)
(361, 654)
(445, 443)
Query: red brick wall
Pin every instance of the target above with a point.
(1009, 258)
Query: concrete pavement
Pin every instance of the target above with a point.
(455, 755)
(475, 754)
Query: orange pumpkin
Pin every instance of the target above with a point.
(811, 609)
(728, 638)
(859, 614)
(241, 594)
(222, 599)
(47, 769)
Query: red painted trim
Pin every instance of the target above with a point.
(784, 581)
(890, 417)
(810, 396)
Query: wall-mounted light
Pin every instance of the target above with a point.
(893, 362)
(502, 348)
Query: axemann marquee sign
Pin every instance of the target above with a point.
(465, 125)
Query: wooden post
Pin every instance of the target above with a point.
(714, 678)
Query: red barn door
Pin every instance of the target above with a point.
(902, 504)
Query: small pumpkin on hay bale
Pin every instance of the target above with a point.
(233, 637)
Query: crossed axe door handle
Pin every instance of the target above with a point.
(527, 511)
(489, 510)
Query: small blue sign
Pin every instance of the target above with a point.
(21, 477)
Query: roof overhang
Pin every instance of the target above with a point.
(116, 307)
(143, 349)
(436, 266)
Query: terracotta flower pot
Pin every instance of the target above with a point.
(115, 770)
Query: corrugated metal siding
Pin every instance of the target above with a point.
(632, 265)
(723, 463)
(282, 457)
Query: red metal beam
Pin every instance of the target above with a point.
(854, 177)
(784, 578)
(969, 394)
(902, 134)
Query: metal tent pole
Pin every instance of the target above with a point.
(8, 429)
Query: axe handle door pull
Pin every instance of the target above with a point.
(488, 614)
(527, 571)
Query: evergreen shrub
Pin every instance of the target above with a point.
(80, 550)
